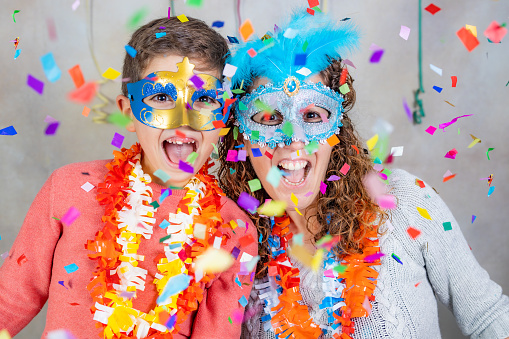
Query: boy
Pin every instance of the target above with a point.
(147, 277)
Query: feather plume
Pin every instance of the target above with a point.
(326, 39)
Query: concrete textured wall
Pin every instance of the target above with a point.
(29, 157)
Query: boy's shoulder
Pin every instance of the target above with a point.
(91, 171)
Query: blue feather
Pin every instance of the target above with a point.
(326, 39)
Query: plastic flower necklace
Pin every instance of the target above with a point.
(346, 293)
(129, 216)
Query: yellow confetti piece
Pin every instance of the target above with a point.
(273, 208)
(182, 18)
(111, 74)
(4, 334)
(372, 142)
(214, 260)
(424, 213)
(224, 131)
(472, 29)
(317, 260)
(295, 200)
(476, 140)
(233, 224)
(296, 209)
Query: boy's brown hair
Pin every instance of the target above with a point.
(193, 38)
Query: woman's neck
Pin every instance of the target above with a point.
(299, 225)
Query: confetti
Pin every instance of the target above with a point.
(248, 202)
(86, 111)
(252, 53)
(243, 301)
(372, 142)
(174, 285)
(111, 74)
(229, 70)
(137, 18)
(490, 191)
(395, 257)
(36, 84)
(50, 67)
(118, 139)
(451, 154)
(454, 80)
(185, 167)
(246, 30)
(414, 233)
(256, 152)
(488, 153)
(447, 226)
(75, 5)
(431, 130)
(472, 29)
(194, 3)
(17, 53)
(436, 69)
(71, 268)
(218, 24)
(60, 334)
(495, 32)
(70, 216)
(274, 176)
(344, 169)
(449, 177)
(76, 75)
(4, 334)
(467, 38)
(432, 8)
(373, 257)
(160, 34)
(119, 119)
(404, 32)
(197, 81)
(333, 140)
(131, 51)
(87, 187)
(438, 89)
(232, 155)
(444, 125)
(162, 175)
(473, 143)
(233, 40)
(8, 131)
(22, 259)
(333, 178)
(13, 18)
(304, 71)
(214, 261)
(376, 56)
(255, 185)
(424, 213)
(473, 218)
(397, 151)
(323, 187)
(300, 59)
(344, 89)
(52, 128)
(273, 208)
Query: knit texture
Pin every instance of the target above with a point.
(48, 246)
(437, 263)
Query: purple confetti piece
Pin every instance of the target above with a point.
(308, 194)
(197, 81)
(407, 109)
(117, 141)
(169, 12)
(36, 84)
(473, 218)
(376, 56)
(349, 63)
(373, 257)
(232, 155)
(242, 155)
(52, 128)
(185, 167)
(248, 202)
(333, 177)
(5, 255)
(8, 131)
(323, 187)
(70, 216)
(444, 125)
(235, 253)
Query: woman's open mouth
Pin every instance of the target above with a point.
(296, 170)
(178, 148)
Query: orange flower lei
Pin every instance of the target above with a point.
(292, 319)
(114, 249)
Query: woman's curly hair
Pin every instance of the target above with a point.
(346, 205)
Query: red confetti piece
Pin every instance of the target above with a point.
(495, 32)
(449, 177)
(246, 240)
(218, 124)
(467, 38)
(454, 80)
(413, 232)
(311, 11)
(84, 94)
(432, 8)
(180, 134)
(22, 259)
(344, 75)
(420, 183)
(313, 3)
(268, 155)
(355, 148)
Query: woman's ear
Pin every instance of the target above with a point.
(124, 106)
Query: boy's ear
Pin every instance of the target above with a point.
(124, 106)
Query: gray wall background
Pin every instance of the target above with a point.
(29, 157)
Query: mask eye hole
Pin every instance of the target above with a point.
(266, 118)
(206, 102)
(160, 101)
(315, 114)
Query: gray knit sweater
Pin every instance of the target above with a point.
(439, 262)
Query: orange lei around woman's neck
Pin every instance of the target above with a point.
(292, 319)
(125, 192)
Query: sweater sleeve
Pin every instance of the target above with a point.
(25, 275)
(222, 294)
(459, 282)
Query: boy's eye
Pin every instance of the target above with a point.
(160, 101)
(266, 118)
(316, 115)
(206, 102)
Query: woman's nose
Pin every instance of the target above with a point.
(295, 146)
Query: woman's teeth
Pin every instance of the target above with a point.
(296, 171)
(293, 165)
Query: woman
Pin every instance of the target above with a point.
(348, 272)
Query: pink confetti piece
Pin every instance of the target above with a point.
(232, 155)
(329, 273)
(386, 202)
(49, 119)
(70, 216)
(431, 130)
(451, 154)
(52, 31)
(185, 167)
(308, 194)
(349, 63)
(373, 257)
(444, 125)
(75, 5)
(333, 177)
(344, 170)
(323, 187)
(495, 32)
(404, 32)
(36, 84)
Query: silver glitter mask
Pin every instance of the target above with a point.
(290, 100)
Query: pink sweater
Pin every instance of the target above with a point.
(34, 271)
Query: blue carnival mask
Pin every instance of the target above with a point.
(168, 100)
(313, 110)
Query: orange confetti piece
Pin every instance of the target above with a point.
(467, 38)
(355, 148)
(449, 177)
(333, 140)
(413, 232)
(84, 94)
(76, 76)
(86, 111)
(246, 30)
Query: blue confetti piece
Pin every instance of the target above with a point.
(61, 282)
(50, 67)
(8, 131)
(438, 89)
(233, 39)
(395, 257)
(218, 24)
(71, 268)
(164, 224)
(300, 59)
(238, 281)
(239, 146)
(160, 35)
(256, 152)
(492, 188)
(16, 54)
(164, 194)
(131, 51)
(171, 321)
(473, 218)
(243, 301)
(175, 284)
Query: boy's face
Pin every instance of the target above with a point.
(164, 148)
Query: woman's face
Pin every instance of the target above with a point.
(303, 173)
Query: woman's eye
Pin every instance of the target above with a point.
(317, 115)
(266, 118)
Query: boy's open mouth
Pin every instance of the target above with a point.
(297, 171)
(178, 148)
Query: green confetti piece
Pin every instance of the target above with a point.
(263, 106)
(488, 153)
(274, 176)
(165, 238)
(268, 41)
(340, 269)
(226, 96)
(312, 147)
(13, 18)
(194, 3)
(137, 18)
(192, 157)
(230, 320)
(238, 91)
(119, 119)
(316, 8)
(254, 185)
(288, 128)
(387, 172)
(235, 132)
(162, 175)
(56, 218)
(458, 131)
(215, 147)
(344, 89)
(242, 106)
(155, 204)
(255, 135)
(305, 46)
(447, 226)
